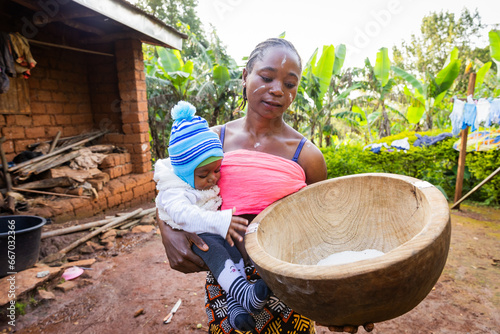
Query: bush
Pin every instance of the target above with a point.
(436, 164)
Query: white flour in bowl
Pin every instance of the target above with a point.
(349, 256)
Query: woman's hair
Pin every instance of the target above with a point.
(258, 53)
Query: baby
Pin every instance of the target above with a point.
(188, 199)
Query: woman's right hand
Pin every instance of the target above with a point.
(177, 245)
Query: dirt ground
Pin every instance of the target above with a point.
(135, 275)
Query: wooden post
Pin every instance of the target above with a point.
(463, 148)
(11, 203)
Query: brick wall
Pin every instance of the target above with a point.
(134, 104)
(74, 92)
(124, 192)
(59, 99)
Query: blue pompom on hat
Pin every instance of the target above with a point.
(191, 142)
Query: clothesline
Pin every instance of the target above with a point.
(474, 113)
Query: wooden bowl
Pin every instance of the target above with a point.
(407, 219)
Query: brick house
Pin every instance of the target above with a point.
(89, 76)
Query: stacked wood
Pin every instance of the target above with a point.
(66, 167)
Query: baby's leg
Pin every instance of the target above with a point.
(218, 258)
(236, 257)
(239, 318)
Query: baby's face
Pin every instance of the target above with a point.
(205, 177)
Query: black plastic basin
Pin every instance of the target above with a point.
(24, 244)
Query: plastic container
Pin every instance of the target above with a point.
(24, 244)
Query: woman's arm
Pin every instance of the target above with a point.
(313, 163)
(177, 245)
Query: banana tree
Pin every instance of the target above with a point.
(316, 78)
(168, 67)
(427, 96)
(494, 37)
(220, 91)
(380, 83)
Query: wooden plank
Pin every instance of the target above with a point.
(48, 183)
(119, 220)
(48, 193)
(56, 152)
(79, 175)
(54, 142)
(492, 175)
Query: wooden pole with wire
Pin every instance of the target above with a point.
(463, 149)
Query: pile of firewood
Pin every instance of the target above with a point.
(62, 167)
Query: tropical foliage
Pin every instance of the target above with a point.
(410, 90)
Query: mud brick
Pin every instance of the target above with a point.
(127, 129)
(114, 138)
(116, 187)
(23, 120)
(55, 108)
(63, 119)
(114, 200)
(99, 205)
(140, 127)
(38, 108)
(77, 203)
(42, 96)
(113, 172)
(150, 186)
(126, 157)
(108, 161)
(139, 191)
(114, 159)
(53, 130)
(127, 168)
(13, 132)
(36, 132)
(127, 196)
(130, 182)
(144, 177)
(21, 145)
(8, 146)
(137, 138)
(42, 120)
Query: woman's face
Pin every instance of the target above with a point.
(272, 85)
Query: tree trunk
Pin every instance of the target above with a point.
(328, 123)
(215, 116)
(385, 124)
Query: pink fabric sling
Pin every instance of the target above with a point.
(252, 180)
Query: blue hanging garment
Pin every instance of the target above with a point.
(469, 115)
(495, 111)
(457, 116)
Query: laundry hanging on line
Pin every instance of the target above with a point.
(474, 113)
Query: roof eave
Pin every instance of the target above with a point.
(130, 16)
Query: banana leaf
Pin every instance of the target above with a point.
(382, 66)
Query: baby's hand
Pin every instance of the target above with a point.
(237, 224)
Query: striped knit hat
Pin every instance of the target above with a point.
(191, 142)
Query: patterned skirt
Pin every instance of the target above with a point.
(276, 317)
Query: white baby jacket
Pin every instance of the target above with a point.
(187, 208)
